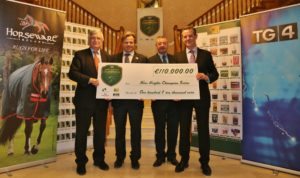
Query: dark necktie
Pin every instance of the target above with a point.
(96, 59)
(192, 57)
(127, 57)
(164, 58)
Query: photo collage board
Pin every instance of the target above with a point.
(223, 40)
(75, 38)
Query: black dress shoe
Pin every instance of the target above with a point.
(158, 162)
(135, 164)
(206, 170)
(102, 165)
(118, 163)
(181, 166)
(173, 161)
(81, 169)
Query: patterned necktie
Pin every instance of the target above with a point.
(96, 59)
(127, 57)
(192, 57)
(164, 58)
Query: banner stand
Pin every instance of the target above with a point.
(274, 168)
(221, 154)
(31, 43)
(29, 164)
(271, 101)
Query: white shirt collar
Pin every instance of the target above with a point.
(161, 55)
(194, 49)
(92, 50)
(130, 53)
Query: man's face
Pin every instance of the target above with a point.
(128, 44)
(162, 45)
(95, 41)
(189, 38)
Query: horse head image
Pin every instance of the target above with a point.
(43, 77)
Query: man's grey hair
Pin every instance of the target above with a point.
(96, 31)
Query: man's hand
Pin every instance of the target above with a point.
(93, 81)
(201, 76)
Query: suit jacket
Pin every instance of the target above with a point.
(137, 58)
(205, 65)
(82, 68)
(156, 59)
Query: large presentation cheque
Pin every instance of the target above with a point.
(148, 81)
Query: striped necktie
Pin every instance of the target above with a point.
(192, 57)
(164, 58)
(96, 59)
(127, 57)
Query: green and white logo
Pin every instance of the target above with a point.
(149, 25)
(111, 74)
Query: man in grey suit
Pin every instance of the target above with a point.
(207, 73)
(83, 70)
(165, 113)
(132, 107)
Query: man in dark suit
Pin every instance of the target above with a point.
(134, 108)
(207, 73)
(165, 113)
(83, 70)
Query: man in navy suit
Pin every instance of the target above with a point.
(132, 107)
(83, 70)
(207, 73)
(165, 113)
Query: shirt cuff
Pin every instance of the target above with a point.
(208, 81)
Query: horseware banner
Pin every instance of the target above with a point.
(148, 81)
(31, 39)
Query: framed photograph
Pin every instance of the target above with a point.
(224, 51)
(234, 38)
(214, 130)
(214, 118)
(223, 40)
(224, 73)
(213, 41)
(236, 60)
(149, 3)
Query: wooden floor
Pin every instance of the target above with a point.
(64, 167)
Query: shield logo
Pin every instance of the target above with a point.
(111, 74)
(149, 25)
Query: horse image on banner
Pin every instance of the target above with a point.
(29, 21)
(26, 97)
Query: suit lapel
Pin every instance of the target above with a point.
(103, 57)
(119, 57)
(171, 59)
(92, 62)
(198, 56)
(158, 59)
(200, 59)
(184, 57)
(135, 58)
